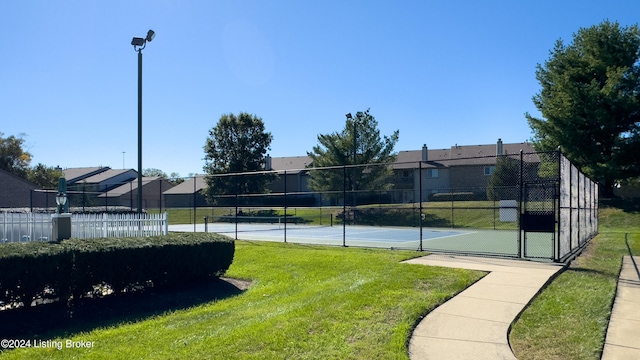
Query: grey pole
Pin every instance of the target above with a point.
(139, 131)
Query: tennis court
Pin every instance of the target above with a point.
(489, 242)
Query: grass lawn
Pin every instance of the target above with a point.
(569, 319)
(308, 302)
(328, 302)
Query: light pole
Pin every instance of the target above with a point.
(138, 45)
(359, 116)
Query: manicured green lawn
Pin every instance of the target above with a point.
(323, 302)
(569, 319)
(308, 302)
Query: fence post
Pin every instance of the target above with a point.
(559, 216)
(236, 216)
(105, 224)
(520, 194)
(420, 194)
(165, 218)
(344, 205)
(194, 203)
(285, 206)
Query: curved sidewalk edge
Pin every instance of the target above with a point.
(623, 333)
(474, 324)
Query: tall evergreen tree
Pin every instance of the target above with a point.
(359, 143)
(590, 102)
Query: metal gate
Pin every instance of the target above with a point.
(539, 220)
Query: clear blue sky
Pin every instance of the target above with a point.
(441, 72)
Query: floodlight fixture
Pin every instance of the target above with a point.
(137, 41)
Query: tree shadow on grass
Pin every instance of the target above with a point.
(57, 319)
(631, 205)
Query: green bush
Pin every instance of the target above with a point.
(76, 266)
(454, 196)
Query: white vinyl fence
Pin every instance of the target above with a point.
(21, 227)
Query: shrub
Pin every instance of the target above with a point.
(74, 267)
(454, 196)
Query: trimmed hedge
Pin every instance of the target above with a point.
(75, 267)
(454, 196)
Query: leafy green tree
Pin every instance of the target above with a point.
(153, 172)
(590, 102)
(45, 176)
(362, 136)
(175, 178)
(503, 183)
(13, 158)
(237, 144)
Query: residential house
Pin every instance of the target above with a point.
(293, 172)
(74, 175)
(186, 194)
(459, 169)
(127, 193)
(16, 192)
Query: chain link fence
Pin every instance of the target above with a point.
(525, 205)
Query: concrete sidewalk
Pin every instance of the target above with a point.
(475, 323)
(623, 334)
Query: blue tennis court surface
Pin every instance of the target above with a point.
(370, 236)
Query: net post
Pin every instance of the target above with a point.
(520, 195)
(285, 207)
(344, 205)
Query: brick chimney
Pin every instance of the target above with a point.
(267, 163)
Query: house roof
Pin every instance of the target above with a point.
(187, 186)
(12, 177)
(408, 159)
(460, 155)
(130, 186)
(106, 175)
(75, 174)
(290, 163)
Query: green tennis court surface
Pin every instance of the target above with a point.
(490, 242)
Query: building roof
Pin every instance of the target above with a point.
(460, 155)
(290, 163)
(7, 176)
(408, 159)
(187, 187)
(132, 185)
(76, 174)
(106, 175)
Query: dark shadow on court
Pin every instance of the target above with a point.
(393, 217)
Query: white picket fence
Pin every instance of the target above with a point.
(21, 227)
